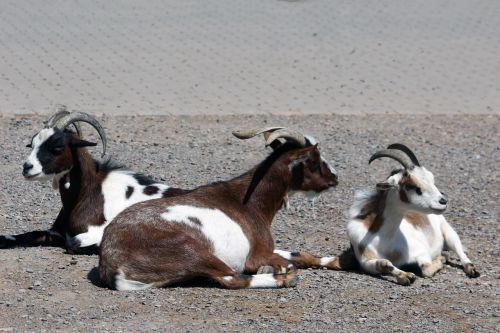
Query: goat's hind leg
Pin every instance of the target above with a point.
(32, 238)
(345, 261)
(384, 266)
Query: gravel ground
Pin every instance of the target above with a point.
(44, 289)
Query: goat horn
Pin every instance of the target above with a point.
(287, 135)
(61, 111)
(71, 118)
(406, 150)
(394, 154)
(251, 133)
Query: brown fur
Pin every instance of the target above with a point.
(372, 212)
(181, 252)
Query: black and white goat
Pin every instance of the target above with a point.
(400, 223)
(92, 192)
(221, 231)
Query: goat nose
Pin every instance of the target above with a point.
(27, 167)
(443, 201)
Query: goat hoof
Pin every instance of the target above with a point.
(406, 279)
(290, 283)
(471, 271)
(73, 245)
(265, 270)
(7, 242)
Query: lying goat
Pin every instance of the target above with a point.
(219, 231)
(92, 193)
(401, 223)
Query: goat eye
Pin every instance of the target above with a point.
(410, 187)
(57, 150)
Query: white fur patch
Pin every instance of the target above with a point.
(326, 260)
(114, 188)
(37, 141)
(285, 254)
(263, 281)
(229, 242)
(93, 236)
(9, 237)
(122, 284)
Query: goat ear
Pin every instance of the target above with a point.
(300, 156)
(385, 186)
(315, 155)
(81, 143)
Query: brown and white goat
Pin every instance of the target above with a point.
(92, 192)
(401, 224)
(221, 231)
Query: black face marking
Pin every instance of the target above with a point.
(150, 190)
(143, 180)
(129, 192)
(49, 149)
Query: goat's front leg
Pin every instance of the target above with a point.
(384, 266)
(452, 242)
(33, 238)
(282, 269)
(52, 237)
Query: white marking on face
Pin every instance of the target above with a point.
(37, 141)
(122, 284)
(285, 254)
(263, 281)
(326, 260)
(229, 242)
(429, 199)
(9, 237)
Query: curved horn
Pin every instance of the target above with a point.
(247, 134)
(287, 135)
(406, 150)
(61, 111)
(395, 155)
(71, 118)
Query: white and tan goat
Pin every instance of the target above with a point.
(401, 224)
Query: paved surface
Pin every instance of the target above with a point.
(259, 56)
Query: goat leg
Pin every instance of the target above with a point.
(32, 238)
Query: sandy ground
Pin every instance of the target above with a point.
(46, 290)
(171, 57)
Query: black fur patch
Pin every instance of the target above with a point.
(129, 192)
(143, 179)
(295, 254)
(150, 190)
(46, 152)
